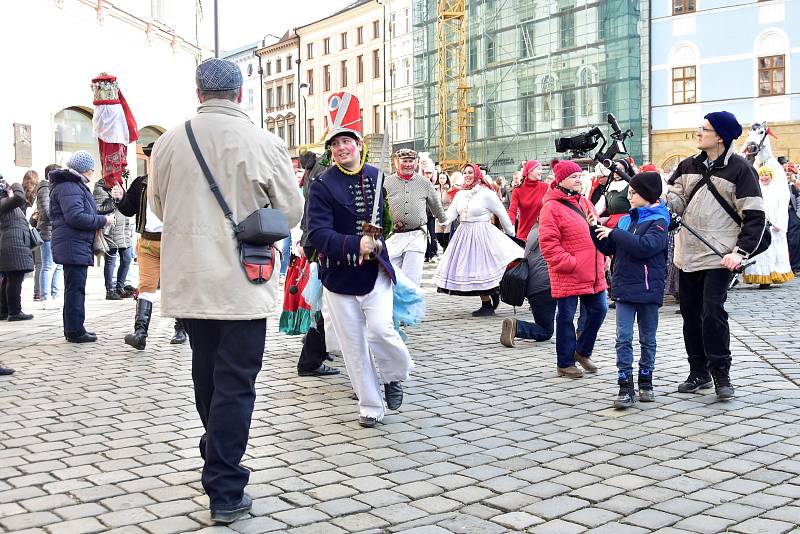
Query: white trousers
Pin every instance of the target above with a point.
(363, 324)
(407, 253)
(331, 341)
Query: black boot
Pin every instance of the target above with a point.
(722, 381)
(394, 395)
(627, 393)
(138, 340)
(485, 310)
(698, 378)
(646, 393)
(112, 295)
(180, 334)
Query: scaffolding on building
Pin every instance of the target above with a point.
(536, 70)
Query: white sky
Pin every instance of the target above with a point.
(244, 21)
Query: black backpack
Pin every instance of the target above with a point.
(514, 284)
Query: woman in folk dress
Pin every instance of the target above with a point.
(478, 253)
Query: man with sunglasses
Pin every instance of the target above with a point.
(698, 187)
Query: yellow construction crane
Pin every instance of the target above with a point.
(453, 88)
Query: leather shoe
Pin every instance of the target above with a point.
(508, 332)
(85, 338)
(570, 372)
(322, 370)
(226, 516)
(5, 371)
(20, 317)
(394, 395)
(586, 363)
(367, 422)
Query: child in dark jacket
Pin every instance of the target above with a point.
(639, 247)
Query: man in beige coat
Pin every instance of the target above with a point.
(202, 281)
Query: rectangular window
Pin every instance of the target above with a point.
(344, 40)
(566, 29)
(360, 35)
(310, 138)
(310, 81)
(282, 132)
(269, 98)
(269, 68)
(771, 75)
(250, 99)
(326, 78)
(568, 109)
(279, 96)
(527, 112)
(376, 119)
(684, 85)
(277, 65)
(290, 93)
(407, 20)
(376, 64)
(407, 71)
(376, 29)
(679, 7)
(393, 24)
(291, 141)
(360, 69)
(343, 73)
(491, 120)
(310, 51)
(326, 46)
(289, 62)
(490, 50)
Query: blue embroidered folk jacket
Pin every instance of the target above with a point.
(338, 205)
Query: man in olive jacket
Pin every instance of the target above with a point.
(202, 281)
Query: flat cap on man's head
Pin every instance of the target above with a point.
(218, 75)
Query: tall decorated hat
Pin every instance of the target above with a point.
(344, 112)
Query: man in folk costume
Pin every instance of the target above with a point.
(133, 203)
(114, 127)
(354, 266)
(409, 193)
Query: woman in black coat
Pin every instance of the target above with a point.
(16, 257)
(75, 221)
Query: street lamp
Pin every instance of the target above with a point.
(304, 114)
(261, 72)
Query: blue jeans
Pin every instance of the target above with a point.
(594, 308)
(646, 316)
(543, 308)
(286, 251)
(116, 281)
(74, 312)
(52, 275)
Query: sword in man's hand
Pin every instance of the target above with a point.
(371, 228)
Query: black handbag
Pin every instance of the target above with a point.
(256, 234)
(514, 284)
(36, 240)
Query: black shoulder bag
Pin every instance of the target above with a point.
(766, 234)
(255, 235)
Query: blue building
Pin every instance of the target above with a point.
(709, 55)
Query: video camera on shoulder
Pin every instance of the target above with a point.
(580, 146)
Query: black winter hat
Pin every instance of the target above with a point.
(648, 185)
(726, 126)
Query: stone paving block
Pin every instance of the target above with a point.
(339, 507)
(170, 525)
(269, 505)
(300, 516)
(704, 524)
(381, 497)
(618, 528)
(418, 490)
(398, 513)
(557, 526)
(469, 495)
(437, 504)
(517, 520)
(591, 517)
(682, 506)
(427, 529)
(132, 516)
(359, 522)
(126, 501)
(759, 525)
(317, 528)
(48, 502)
(84, 525)
(555, 507)
(734, 511)
(467, 523)
(30, 520)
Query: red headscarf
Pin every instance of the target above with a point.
(479, 177)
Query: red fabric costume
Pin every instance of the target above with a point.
(526, 200)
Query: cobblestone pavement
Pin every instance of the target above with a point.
(101, 438)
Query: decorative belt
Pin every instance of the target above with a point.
(406, 230)
(152, 236)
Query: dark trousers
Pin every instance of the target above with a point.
(443, 239)
(432, 248)
(705, 322)
(543, 308)
(314, 349)
(226, 358)
(114, 255)
(11, 292)
(74, 312)
(594, 308)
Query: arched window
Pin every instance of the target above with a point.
(271, 124)
(147, 135)
(72, 132)
(549, 103)
(684, 59)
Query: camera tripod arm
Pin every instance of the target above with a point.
(679, 222)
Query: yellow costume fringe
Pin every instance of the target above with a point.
(772, 278)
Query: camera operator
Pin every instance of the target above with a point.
(703, 278)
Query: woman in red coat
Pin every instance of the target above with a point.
(526, 200)
(576, 268)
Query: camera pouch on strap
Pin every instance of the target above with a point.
(256, 234)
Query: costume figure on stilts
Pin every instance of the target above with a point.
(409, 193)
(345, 215)
(133, 203)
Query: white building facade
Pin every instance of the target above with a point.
(400, 55)
(247, 61)
(279, 66)
(343, 52)
(151, 46)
